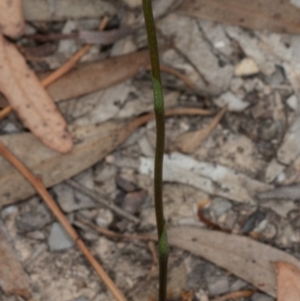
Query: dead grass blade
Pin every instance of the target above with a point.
(94, 142)
(11, 18)
(40, 188)
(28, 98)
(13, 279)
(189, 142)
(272, 15)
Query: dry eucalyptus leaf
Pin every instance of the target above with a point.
(95, 76)
(13, 279)
(189, 142)
(11, 18)
(272, 15)
(242, 256)
(288, 281)
(30, 101)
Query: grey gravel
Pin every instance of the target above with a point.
(59, 239)
(217, 285)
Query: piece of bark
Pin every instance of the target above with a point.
(11, 18)
(273, 15)
(288, 281)
(246, 258)
(30, 101)
(13, 279)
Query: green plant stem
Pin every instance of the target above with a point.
(159, 153)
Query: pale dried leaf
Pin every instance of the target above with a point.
(190, 142)
(211, 178)
(30, 101)
(11, 18)
(288, 281)
(272, 15)
(244, 257)
(13, 279)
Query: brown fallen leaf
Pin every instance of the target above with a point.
(288, 281)
(92, 143)
(11, 18)
(272, 15)
(13, 279)
(91, 77)
(95, 76)
(30, 101)
(246, 258)
(189, 142)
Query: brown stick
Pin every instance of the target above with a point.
(235, 295)
(40, 188)
(62, 70)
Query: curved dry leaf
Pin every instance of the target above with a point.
(11, 18)
(30, 101)
(189, 142)
(244, 257)
(288, 281)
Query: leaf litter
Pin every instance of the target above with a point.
(224, 179)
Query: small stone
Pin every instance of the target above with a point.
(70, 201)
(104, 218)
(218, 285)
(125, 185)
(104, 173)
(246, 67)
(292, 102)
(35, 219)
(59, 239)
(220, 206)
(261, 297)
(238, 285)
(234, 103)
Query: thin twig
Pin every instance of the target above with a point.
(235, 295)
(176, 73)
(102, 201)
(62, 70)
(40, 188)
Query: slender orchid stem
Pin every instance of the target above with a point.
(159, 153)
